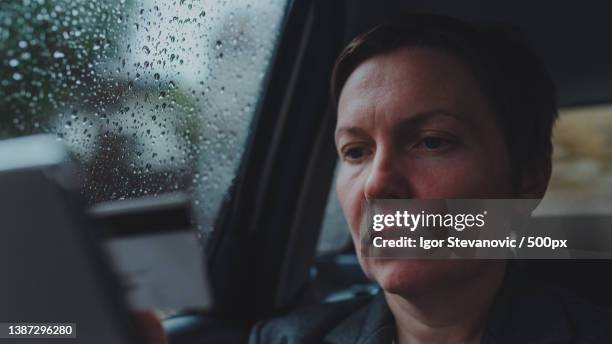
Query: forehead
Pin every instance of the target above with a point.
(410, 80)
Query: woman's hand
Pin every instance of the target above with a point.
(150, 328)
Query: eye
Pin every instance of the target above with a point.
(355, 153)
(433, 143)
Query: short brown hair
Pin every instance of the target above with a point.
(511, 77)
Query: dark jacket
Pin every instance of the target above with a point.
(521, 313)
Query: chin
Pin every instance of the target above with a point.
(412, 277)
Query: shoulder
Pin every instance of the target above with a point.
(529, 312)
(588, 320)
(307, 325)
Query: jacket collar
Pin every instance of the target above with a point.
(519, 314)
(371, 324)
(524, 312)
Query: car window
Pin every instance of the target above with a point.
(152, 96)
(581, 181)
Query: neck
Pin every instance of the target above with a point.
(454, 314)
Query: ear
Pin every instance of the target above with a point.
(534, 180)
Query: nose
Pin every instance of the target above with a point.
(387, 179)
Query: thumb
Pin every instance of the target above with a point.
(149, 327)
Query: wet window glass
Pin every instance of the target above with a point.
(152, 96)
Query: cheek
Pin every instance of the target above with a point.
(471, 176)
(458, 180)
(349, 188)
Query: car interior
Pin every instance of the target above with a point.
(286, 218)
(274, 239)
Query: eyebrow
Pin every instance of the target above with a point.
(413, 120)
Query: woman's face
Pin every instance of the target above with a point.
(413, 123)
